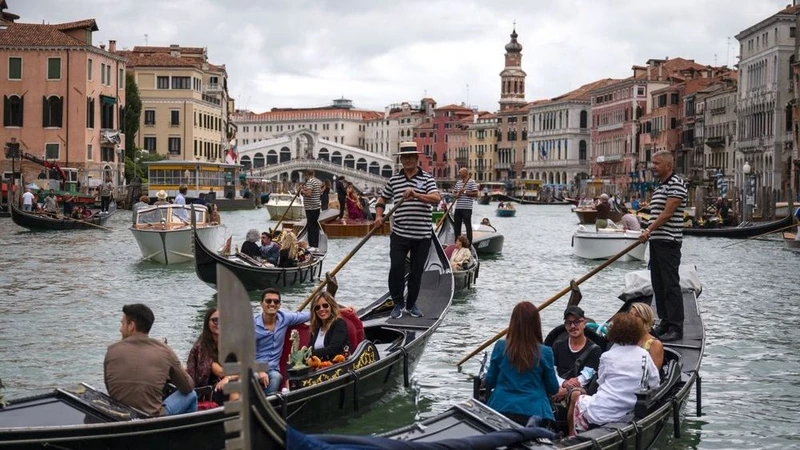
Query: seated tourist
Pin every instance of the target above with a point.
(648, 341)
(77, 212)
(203, 364)
(629, 221)
(270, 250)
(213, 214)
(521, 369)
(144, 201)
(136, 368)
(289, 249)
(271, 326)
(576, 358)
(249, 246)
(619, 379)
(328, 329)
(353, 204)
(303, 252)
(461, 257)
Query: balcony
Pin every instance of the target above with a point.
(212, 87)
(609, 158)
(717, 111)
(109, 136)
(715, 141)
(613, 126)
(502, 165)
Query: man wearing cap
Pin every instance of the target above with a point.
(576, 358)
(312, 191)
(603, 212)
(411, 227)
(466, 191)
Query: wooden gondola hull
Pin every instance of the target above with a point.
(790, 242)
(740, 232)
(41, 222)
(353, 229)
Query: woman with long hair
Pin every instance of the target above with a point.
(521, 369)
(328, 329)
(354, 210)
(648, 341)
(203, 364)
(289, 249)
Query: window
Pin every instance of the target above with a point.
(174, 146)
(174, 117)
(89, 69)
(107, 154)
(121, 78)
(14, 68)
(108, 75)
(673, 98)
(181, 82)
(149, 117)
(89, 152)
(51, 151)
(89, 112)
(791, 32)
(106, 114)
(52, 111)
(12, 110)
(162, 83)
(102, 73)
(150, 144)
(53, 68)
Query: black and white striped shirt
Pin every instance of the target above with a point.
(465, 201)
(672, 230)
(412, 219)
(313, 202)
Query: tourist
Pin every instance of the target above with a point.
(51, 203)
(143, 202)
(311, 192)
(203, 364)
(629, 221)
(106, 194)
(462, 256)
(648, 341)
(136, 368)
(271, 326)
(213, 214)
(665, 234)
(576, 358)
(77, 212)
(27, 200)
(289, 250)
(466, 191)
(67, 203)
(341, 193)
(180, 199)
(324, 196)
(250, 246)
(354, 209)
(328, 329)
(603, 212)
(411, 227)
(620, 376)
(270, 251)
(521, 371)
(161, 198)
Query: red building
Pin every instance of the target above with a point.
(447, 121)
(423, 136)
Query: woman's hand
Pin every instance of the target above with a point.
(263, 378)
(221, 384)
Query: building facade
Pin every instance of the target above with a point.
(715, 131)
(512, 119)
(384, 134)
(63, 98)
(185, 102)
(447, 122)
(482, 143)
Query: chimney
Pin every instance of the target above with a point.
(112, 45)
(102, 46)
(175, 50)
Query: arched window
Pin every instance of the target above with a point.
(361, 164)
(386, 171)
(286, 154)
(245, 161)
(52, 111)
(13, 110)
(336, 157)
(258, 159)
(584, 119)
(374, 168)
(350, 161)
(324, 154)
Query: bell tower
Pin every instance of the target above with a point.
(512, 78)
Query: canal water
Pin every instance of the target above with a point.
(61, 296)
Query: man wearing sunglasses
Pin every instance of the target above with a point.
(577, 358)
(271, 326)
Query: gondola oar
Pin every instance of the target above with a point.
(552, 299)
(332, 274)
(762, 234)
(446, 213)
(277, 226)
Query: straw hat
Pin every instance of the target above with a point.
(161, 195)
(408, 148)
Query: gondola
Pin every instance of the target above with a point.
(790, 242)
(87, 419)
(484, 199)
(254, 275)
(742, 231)
(464, 279)
(42, 222)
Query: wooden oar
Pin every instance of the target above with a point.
(82, 221)
(552, 299)
(762, 234)
(330, 275)
(277, 226)
(446, 213)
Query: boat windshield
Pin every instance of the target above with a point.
(169, 215)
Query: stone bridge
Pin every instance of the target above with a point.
(293, 170)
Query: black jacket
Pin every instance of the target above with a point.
(335, 339)
(340, 189)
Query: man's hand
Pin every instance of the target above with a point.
(645, 235)
(409, 194)
(263, 378)
(572, 383)
(558, 396)
(378, 220)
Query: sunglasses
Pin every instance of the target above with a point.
(215, 320)
(570, 323)
(323, 306)
(270, 301)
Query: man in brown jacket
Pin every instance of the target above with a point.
(137, 367)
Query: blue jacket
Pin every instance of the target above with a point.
(527, 393)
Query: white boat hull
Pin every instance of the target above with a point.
(174, 246)
(296, 212)
(604, 244)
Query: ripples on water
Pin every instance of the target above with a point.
(61, 296)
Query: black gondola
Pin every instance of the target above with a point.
(484, 199)
(251, 272)
(743, 231)
(86, 419)
(464, 279)
(42, 222)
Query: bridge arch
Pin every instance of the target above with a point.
(324, 154)
(349, 161)
(286, 154)
(374, 168)
(386, 171)
(258, 160)
(361, 164)
(246, 162)
(336, 157)
(272, 157)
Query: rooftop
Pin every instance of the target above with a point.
(44, 35)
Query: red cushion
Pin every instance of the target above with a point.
(355, 329)
(449, 250)
(202, 406)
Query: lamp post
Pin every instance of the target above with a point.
(746, 192)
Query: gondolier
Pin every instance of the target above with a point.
(411, 227)
(312, 191)
(466, 191)
(666, 237)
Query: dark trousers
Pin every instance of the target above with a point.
(399, 247)
(342, 203)
(312, 227)
(465, 216)
(665, 258)
(105, 200)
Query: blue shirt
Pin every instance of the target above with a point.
(525, 393)
(269, 344)
(271, 252)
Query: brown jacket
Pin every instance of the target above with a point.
(135, 371)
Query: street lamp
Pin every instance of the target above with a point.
(746, 193)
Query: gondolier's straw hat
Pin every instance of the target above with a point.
(161, 195)
(408, 148)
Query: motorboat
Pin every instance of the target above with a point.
(278, 204)
(164, 232)
(607, 242)
(486, 239)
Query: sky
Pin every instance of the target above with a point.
(305, 53)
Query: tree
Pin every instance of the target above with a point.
(133, 111)
(134, 167)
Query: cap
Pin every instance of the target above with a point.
(573, 311)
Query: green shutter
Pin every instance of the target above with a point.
(53, 68)
(21, 110)
(14, 68)
(6, 112)
(45, 107)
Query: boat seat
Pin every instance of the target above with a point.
(355, 328)
(248, 259)
(448, 252)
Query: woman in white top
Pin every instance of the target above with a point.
(620, 375)
(460, 259)
(328, 329)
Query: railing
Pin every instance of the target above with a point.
(613, 126)
(212, 87)
(320, 164)
(557, 162)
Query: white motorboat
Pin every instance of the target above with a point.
(607, 242)
(485, 238)
(279, 203)
(164, 232)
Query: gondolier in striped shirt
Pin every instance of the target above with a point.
(411, 227)
(666, 236)
(311, 191)
(466, 191)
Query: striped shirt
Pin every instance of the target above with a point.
(312, 201)
(412, 219)
(672, 230)
(465, 201)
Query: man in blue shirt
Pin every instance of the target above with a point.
(270, 250)
(271, 326)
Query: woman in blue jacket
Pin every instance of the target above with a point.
(521, 369)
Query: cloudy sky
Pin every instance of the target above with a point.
(300, 53)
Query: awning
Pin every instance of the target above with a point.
(107, 100)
